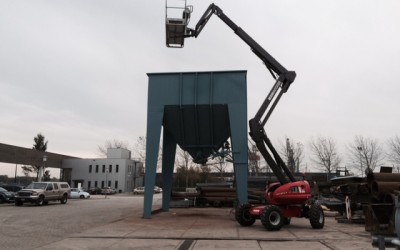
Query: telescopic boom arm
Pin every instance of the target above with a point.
(283, 79)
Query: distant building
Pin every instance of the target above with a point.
(117, 171)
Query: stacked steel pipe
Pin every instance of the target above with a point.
(382, 184)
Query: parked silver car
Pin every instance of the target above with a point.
(108, 191)
(157, 189)
(77, 193)
(138, 190)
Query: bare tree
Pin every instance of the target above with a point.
(184, 163)
(324, 153)
(292, 153)
(102, 150)
(394, 149)
(367, 152)
(219, 165)
(204, 172)
(254, 159)
(221, 158)
(139, 151)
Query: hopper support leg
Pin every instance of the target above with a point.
(168, 160)
(154, 122)
(238, 124)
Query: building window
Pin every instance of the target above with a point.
(104, 168)
(88, 184)
(109, 184)
(97, 168)
(102, 184)
(95, 184)
(110, 169)
(116, 184)
(90, 168)
(116, 168)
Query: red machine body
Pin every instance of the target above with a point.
(290, 197)
(291, 193)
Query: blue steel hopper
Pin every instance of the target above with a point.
(199, 111)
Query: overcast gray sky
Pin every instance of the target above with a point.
(75, 70)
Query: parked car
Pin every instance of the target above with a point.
(12, 187)
(43, 192)
(6, 196)
(94, 190)
(157, 189)
(78, 193)
(138, 190)
(108, 191)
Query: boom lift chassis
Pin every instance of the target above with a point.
(288, 198)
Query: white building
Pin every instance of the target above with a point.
(117, 171)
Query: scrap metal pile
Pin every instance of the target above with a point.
(380, 213)
(372, 200)
(346, 195)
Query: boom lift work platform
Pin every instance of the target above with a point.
(288, 198)
(177, 17)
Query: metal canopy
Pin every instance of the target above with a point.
(28, 156)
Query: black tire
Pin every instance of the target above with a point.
(45, 202)
(40, 201)
(272, 218)
(287, 221)
(243, 216)
(2, 199)
(82, 197)
(64, 199)
(317, 217)
(18, 203)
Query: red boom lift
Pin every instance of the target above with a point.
(287, 198)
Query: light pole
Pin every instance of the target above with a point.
(16, 165)
(134, 177)
(359, 148)
(107, 189)
(42, 169)
(15, 177)
(128, 182)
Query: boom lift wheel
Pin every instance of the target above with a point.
(243, 216)
(317, 217)
(272, 218)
